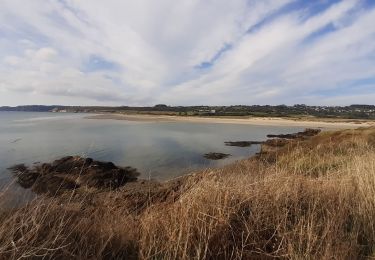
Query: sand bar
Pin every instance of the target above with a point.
(269, 121)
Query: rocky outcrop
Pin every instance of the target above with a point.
(242, 143)
(300, 135)
(216, 156)
(72, 172)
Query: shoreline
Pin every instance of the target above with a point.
(260, 121)
(272, 195)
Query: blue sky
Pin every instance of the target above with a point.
(187, 52)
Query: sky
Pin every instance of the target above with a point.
(187, 52)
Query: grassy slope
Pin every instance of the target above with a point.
(309, 199)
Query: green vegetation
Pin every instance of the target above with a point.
(296, 111)
(301, 199)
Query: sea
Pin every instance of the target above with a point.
(159, 150)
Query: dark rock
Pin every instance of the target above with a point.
(216, 156)
(18, 167)
(25, 177)
(69, 173)
(53, 185)
(307, 133)
(111, 177)
(242, 143)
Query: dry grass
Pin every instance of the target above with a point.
(313, 199)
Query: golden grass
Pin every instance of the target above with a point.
(312, 199)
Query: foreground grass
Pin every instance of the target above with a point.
(310, 199)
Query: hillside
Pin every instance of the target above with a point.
(363, 112)
(305, 198)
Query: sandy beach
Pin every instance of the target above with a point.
(269, 121)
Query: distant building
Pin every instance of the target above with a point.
(206, 111)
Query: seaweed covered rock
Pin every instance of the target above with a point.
(72, 172)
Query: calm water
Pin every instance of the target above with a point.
(159, 150)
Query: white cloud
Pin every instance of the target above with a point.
(45, 54)
(156, 47)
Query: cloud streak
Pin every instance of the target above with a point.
(79, 52)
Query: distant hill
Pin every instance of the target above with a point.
(357, 111)
(30, 108)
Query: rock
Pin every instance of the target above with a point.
(72, 172)
(53, 185)
(25, 177)
(111, 177)
(307, 133)
(242, 143)
(216, 156)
